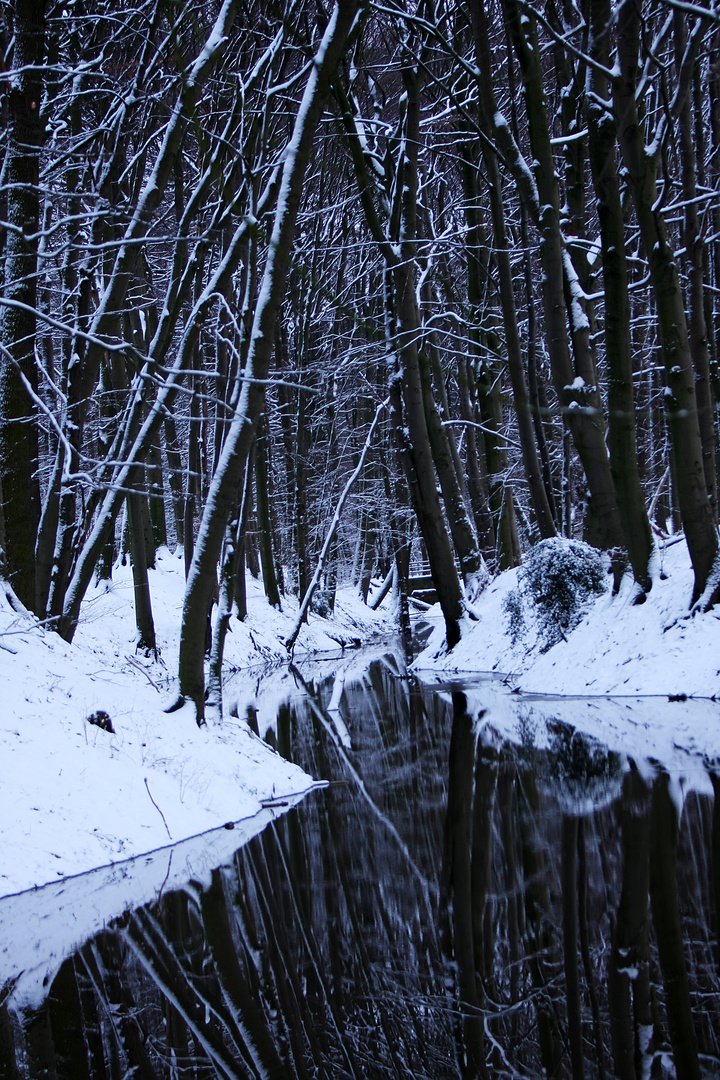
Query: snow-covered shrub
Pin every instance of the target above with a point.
(321, 603)
(514, 608)
(558, 577)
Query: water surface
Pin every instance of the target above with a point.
(458, 903)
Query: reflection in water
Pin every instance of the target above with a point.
(458, 907)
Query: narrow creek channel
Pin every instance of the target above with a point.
(451, 906)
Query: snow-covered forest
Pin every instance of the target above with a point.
(465, 255)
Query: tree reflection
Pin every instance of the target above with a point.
(458, 907)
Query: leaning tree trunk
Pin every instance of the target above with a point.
(233, 459)
(417, 456)
(461, 527)
(18, 376)
(402, 330)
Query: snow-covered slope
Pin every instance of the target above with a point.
(74, 796)
(617, 648)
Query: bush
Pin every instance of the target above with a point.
(558, 577)
(321, 603)
(514, 608)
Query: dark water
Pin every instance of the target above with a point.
(451, 908)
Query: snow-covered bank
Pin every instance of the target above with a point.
(617, 648)
(74, 796)
(38, 929)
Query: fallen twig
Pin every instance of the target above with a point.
(157, 808)
(135, 664)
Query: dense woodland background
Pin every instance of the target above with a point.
(468, 252)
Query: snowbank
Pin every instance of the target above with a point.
(617, 648)
(74, 796)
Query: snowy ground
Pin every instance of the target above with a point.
(618, 648)
(73, 796)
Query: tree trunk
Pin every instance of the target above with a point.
(402, 333)
(263, 514)
(577, 398)
(502, 502)
(231, 588)
(476, 482)
(461, 528)
(192, 483)
(618, 346)
(175, 470)
(18, 428)
(156, 494)
(138, 556)
(694, 249)
(533, 381)
(300, 491)
(680, 398)
(417, 455)
(538, 495)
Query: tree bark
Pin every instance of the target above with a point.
(694, 251)
(578, 399)
(263, 515)
(618, 346)
(138, 557)
(18, 428)
(174, 464)
(680, 397)
(538, 496)
(192, 483)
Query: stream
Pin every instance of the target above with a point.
(484, 890)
